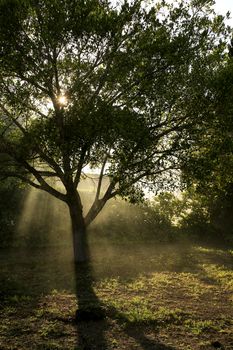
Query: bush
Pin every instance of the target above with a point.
(11, 196)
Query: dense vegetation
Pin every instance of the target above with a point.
(31, 218)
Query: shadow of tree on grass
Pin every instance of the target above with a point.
(89, 317)
(94, 319)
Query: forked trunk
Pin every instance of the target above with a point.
(80, 245)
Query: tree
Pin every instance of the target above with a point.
(84, 83)
(208, 165)
(210, 160)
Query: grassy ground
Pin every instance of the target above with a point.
(154, 297)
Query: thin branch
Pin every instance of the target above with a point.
(111, 56)
(135, 180)
(98, 204)
(44, 185)
(101, 178)
(33, 83)
(54, 63)
(47, 173)
(7, 148)
(14, 120)
(80, 165)
(108, 193)
(43, 155)
(7, 174)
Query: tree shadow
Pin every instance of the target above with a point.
(137, 332)
(94, 319)
(90, 316)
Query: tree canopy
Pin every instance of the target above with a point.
(209, 163)
(208, 166)
(89, 84)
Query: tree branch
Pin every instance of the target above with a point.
(101, 178)
(43, 155)
(44, 185)
(7, 174)
(80, 165)
(98, 204)
(135, 180)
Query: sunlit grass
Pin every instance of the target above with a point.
(173, 294)
(221, 274)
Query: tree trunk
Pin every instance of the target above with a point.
(80, 245)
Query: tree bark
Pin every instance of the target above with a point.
(80, 244)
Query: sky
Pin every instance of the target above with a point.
(222, 6)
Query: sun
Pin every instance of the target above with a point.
(62, 100)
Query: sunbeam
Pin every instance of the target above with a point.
(43, 219)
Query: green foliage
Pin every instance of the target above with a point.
(11, 196)
(209, 164)
(132, 76)
(124, 222)
(207, 169)
(197, 216)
